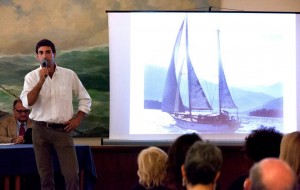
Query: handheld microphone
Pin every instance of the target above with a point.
(44, 64)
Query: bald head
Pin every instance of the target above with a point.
(271, 174)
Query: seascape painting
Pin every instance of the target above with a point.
(79, 31)
(93, 76)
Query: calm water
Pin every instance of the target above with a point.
(158, 122)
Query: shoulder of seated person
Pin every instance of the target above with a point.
(7, 120)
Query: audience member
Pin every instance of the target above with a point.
(290, 152)
(202, 166)
(151, 169)
(271, 174)
(176, 156)
(13, 128)
(261, 143)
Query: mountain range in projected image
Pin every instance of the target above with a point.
(247, 99)
(91, 66)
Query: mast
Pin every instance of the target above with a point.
(219, 63)
(188, 60)
(225, 98)
(196, 97)
(172, 98)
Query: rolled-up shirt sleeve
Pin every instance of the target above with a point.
(84, 99)
(29, 83)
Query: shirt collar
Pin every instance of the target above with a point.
(19, 124)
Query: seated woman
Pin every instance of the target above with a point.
(290, 152)
(151, 169)
(202, 166)
(176, 156)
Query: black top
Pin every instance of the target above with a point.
(238, 183)
(28, 136)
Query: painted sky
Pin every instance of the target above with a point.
(69, 24)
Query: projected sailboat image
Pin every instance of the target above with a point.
(185, 99)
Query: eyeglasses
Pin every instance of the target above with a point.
(23, 111)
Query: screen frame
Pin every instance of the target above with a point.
(116, 133)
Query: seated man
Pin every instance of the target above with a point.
(13, 129)
(261, 143)
(271, 173)
(202, 166)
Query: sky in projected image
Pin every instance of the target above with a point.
(257, 51)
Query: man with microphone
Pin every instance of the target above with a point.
(48, 91)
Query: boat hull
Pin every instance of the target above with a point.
(206, 124)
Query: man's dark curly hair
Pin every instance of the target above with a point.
(262, 143)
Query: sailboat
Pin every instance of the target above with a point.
(196, 113)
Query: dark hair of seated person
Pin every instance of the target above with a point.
(202, 166)
(261, 143)
(176, 156)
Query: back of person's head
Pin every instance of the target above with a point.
(262, 143)
(45, 42)
(290, 151)
(270, 174)
(151, 167)
(176, 156)
(202, 164)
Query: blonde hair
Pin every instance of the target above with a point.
(290, 151)
(151, 166)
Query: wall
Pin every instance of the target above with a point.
(261, 5)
